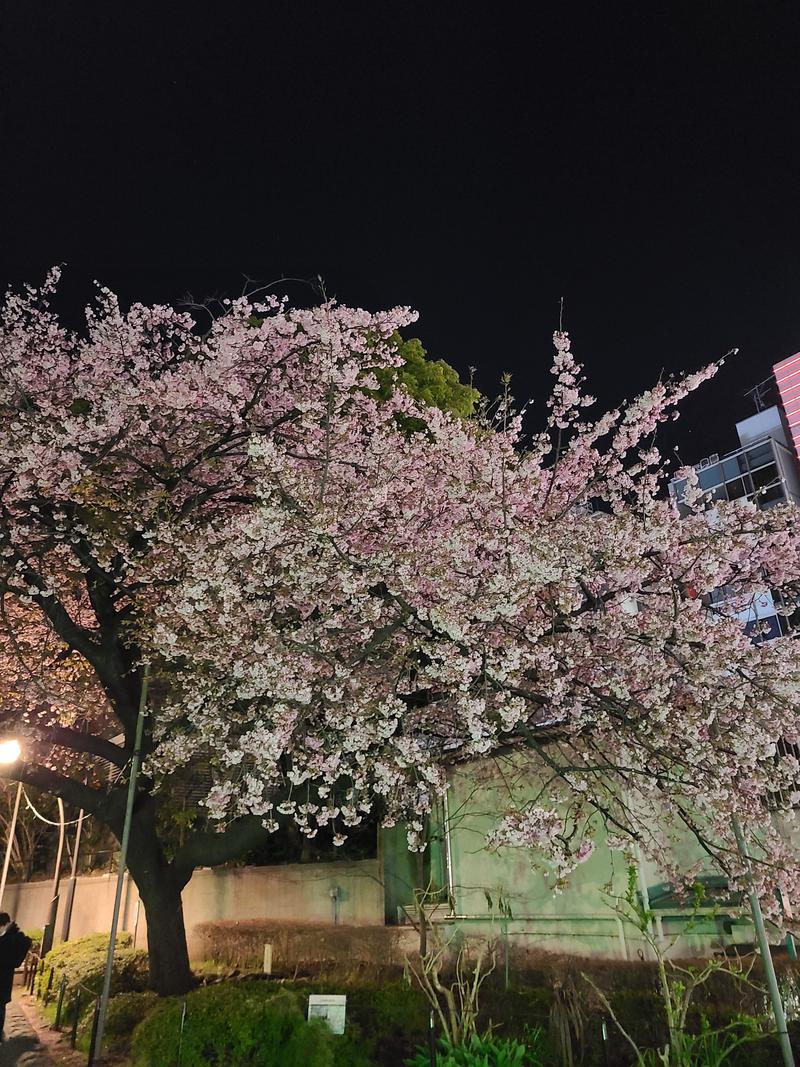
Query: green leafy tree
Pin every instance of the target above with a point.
(431, 381)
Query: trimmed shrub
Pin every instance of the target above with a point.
(125, 1012)
(310, 947)
(35, 934)
(385, 1022)
(244, 1023)
(83, 961)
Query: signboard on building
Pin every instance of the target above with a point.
(331, 1007)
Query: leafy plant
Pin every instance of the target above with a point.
(484, 1050)
(243, 1023)
(82, 962)
(125, 1012)
(678, 985)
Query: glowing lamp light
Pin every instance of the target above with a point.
(10, 751)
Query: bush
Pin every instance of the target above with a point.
(125, 1012)
(484, 1051)
(385, 1021)
(83, 961)
(390, 1020)
(35, 934)
(244, 1023)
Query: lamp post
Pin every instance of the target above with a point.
(10, 752)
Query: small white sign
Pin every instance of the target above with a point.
(331, 1007)
(267, 968)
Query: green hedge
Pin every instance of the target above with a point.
(125, 1012)
(260, 1023)
(83, 961)
(389, 1022)
(250, 1024)
(385, 1022)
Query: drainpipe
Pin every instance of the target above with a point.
(448, 856)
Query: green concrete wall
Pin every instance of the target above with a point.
(577, 917)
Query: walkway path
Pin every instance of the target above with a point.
(21, 1047)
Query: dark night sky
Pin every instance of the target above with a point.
(640, 159)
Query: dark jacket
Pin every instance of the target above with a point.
(11, 945)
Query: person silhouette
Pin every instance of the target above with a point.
(14, 946)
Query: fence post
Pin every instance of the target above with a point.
(95, 1020)
(62, 987)
(76, 1011)
(47, 938)
(49, 985)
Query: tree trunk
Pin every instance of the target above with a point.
(170, 973)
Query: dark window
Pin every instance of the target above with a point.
(739, 487)
(761, 454)
(710, 476)
(734, 466)
(763, 629)
(772, 496)
(765, 476)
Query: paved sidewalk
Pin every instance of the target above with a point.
(21, 1047)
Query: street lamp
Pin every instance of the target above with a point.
(10, 752)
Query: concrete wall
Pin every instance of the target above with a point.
(290, 893)
(575, 917)
(572, 917)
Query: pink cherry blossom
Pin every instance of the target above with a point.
(338, 606)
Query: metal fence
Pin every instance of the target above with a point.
(38, 980)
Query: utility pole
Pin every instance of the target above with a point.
(50, 926)
(73, 877)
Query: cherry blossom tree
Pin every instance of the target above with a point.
(399, 602)
(107, 442)
(341, 591)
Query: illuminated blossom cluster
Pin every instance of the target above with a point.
(343, 594)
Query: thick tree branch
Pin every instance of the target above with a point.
(208, 849)
(75, 793)
(78, 741)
